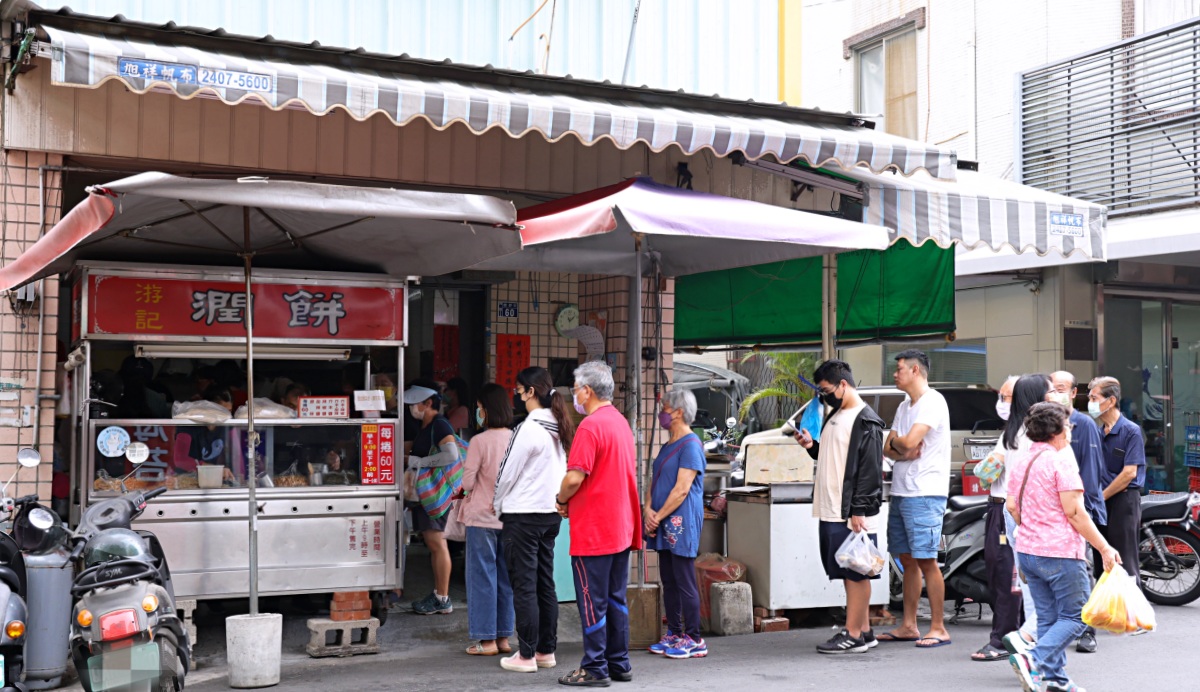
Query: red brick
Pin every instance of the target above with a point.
(762, 613)
(350, 615)
(774, 625)
(758, 623)
(344, 606)
(351, 596)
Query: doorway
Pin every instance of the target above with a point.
(1153, 347)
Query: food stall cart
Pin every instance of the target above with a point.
(323, 526)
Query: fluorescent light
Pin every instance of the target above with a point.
(264, 352)
(809, 178)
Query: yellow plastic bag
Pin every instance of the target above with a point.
(1117, 605)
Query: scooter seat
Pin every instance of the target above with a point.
(961, 502)
(10, 579)
(955, 522)
(1167, 506)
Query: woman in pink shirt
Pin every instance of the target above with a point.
(1045, 497)
(489, 593)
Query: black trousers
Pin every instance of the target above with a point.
(1123, 531)
(1001, 571)
(681, 595)
(528, 541)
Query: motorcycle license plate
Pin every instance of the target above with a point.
(978, 452)
(124, 667)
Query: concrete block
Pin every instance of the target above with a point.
(186, 609)
(732, 608)
(342, 638)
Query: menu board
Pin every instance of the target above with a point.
(378, 454)
(324, 407)
(512, 356)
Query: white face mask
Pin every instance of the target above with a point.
(1060, 398)
(415, 410)
(1003, 408)
(1068, 434)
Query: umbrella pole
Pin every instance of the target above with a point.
(251, 436)
(829, 313)
(635, 365)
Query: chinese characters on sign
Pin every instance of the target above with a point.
(512, 356)
(507, 311)
(324, 407)
(200, 308)
(378, 454)
(1063, 224)
(445, 351)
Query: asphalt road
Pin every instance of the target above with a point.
(424, 653)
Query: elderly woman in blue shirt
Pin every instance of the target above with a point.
(674, 517)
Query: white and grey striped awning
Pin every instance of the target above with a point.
(978, 210)
(89, 59)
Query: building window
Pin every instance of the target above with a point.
(887, 82)
(962, 362)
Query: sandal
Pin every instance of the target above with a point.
(506, 649)
(989, 653)
(580, 677)
(478, 649)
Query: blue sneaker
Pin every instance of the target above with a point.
(669, 641)
(1022, 665)
(688, 648)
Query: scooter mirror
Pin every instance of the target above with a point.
(137, 452)
(731, 422)
(28, 457)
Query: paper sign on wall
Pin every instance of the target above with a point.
(512, 356)
(369, 400)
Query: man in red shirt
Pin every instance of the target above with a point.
(599, 494)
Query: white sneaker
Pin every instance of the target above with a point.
(516, 665)
(547, 662)
(1014, 643)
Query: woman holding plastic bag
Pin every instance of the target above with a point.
(1045, 497)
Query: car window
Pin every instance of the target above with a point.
(886, 408)
(969, 407)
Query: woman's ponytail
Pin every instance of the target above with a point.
(539, 380)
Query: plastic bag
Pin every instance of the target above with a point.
(265, 408)
(1117, 605)
(712, 568)
(200, 411)
(811, 419)
(455, 530)
(859, 553)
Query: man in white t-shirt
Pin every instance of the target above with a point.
(919, 444)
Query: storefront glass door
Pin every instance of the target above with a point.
(1185, 383)
(1135, 353)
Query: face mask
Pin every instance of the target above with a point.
(1060, 398)
(832, 400)
(415, 411)
(479, 418)
(1094, 409)
(664, 419)
(578, 406)
(519, 405)
(1003, 408)
(1068, 434)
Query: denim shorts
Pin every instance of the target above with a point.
(915, 525)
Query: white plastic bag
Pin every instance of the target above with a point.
(200, 411)
(455, 530)
(265, 408)
(859, 553)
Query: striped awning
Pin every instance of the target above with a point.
(90, 59)
(977, 211)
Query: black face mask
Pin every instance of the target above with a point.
(831, 400)
(519, 405)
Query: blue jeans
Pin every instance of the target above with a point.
(1059, 586)
(489, 595)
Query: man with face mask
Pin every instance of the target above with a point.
(1085, 442)
(1123, 474)
(847, 493)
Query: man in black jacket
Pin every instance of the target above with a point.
(847, 493)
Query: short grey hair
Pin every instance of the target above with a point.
(1108, 386)
(598, 376)
(684, 401)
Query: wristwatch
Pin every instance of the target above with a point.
(559, 502)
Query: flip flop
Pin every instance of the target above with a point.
(478, 650)
(989, 653)
(890, 637)
(939, 640)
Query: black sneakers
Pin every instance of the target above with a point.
(843, 643)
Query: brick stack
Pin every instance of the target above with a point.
(350, 605)
(770, 620)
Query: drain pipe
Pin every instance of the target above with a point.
(41, 337)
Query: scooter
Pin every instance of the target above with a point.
(126, 633)
(960, 555)
(1169, 552)
(12, 589)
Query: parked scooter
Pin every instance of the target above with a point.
(12, 589)
(126, 633)
(1169, 553)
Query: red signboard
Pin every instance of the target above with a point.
(445, 352)
(200, 308)
(512, 356)
(378, 455)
